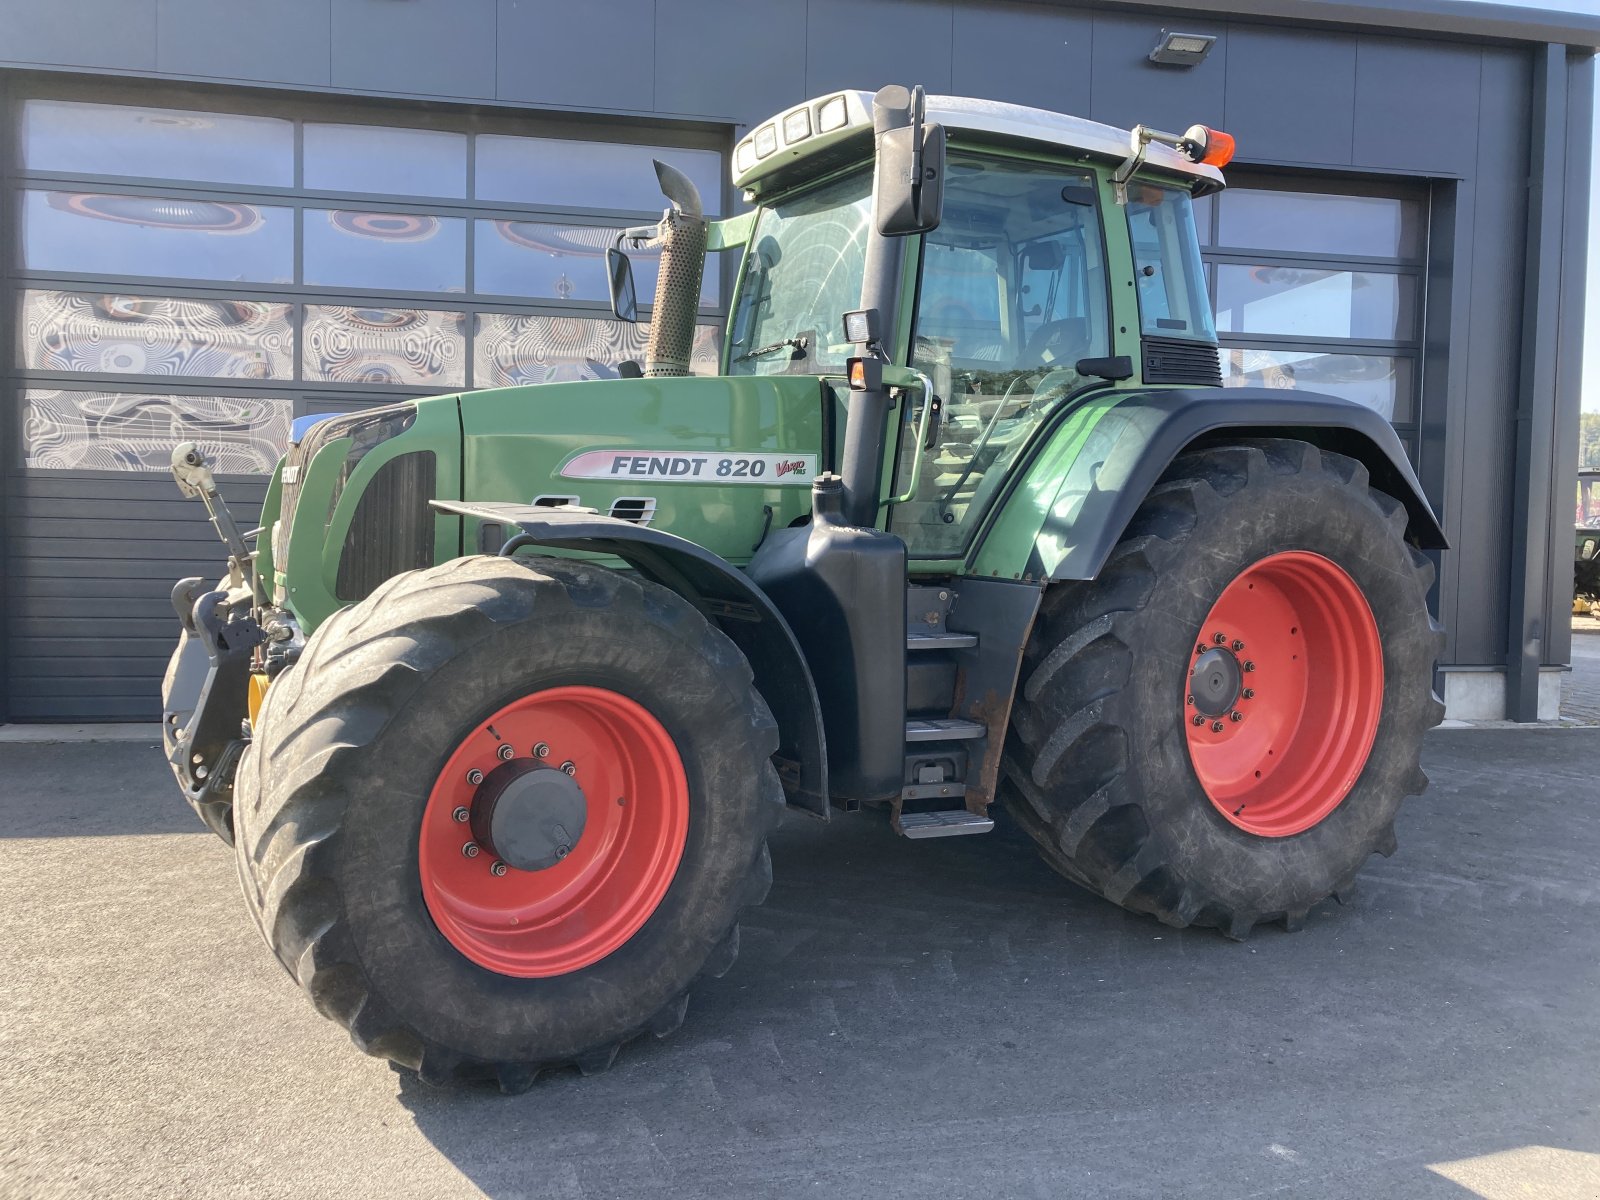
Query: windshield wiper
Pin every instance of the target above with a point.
(797, 344)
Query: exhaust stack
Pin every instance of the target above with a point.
(682, 234)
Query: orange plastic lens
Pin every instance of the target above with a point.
(858, 374)
(1219, 148)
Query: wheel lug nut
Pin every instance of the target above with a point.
(1188, 700)
(1217, 727)
(505, 752)
(470, 849)
(1198, 650)
(541, 750)
(1237, 644)
(499, 868)
(1249, 693)
(461, 815)
(1236, 715)
(1249, 666)
(570, 767)
(1219, 638)
(474, 777)
(563, 851)
(1199, 720)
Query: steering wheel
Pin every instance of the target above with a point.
(1053, 337)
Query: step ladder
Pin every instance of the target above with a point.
(940, 749)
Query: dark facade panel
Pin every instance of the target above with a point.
(88, 573)
(421, 47)
(1130, 90)
(1290, 94)
(118, 35)
(288, 41)
(1025, 54)
(1414, 105)
(581, 55)
(1492, 335)
(868, 43)
(708, 64)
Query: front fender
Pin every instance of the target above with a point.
(722, 592)
(1070, 502)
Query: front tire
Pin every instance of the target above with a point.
(624, 726)
(1219, 730)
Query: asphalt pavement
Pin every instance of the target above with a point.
(907, 1019)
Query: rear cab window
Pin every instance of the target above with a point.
(1173, 302)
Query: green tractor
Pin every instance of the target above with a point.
(501, 707)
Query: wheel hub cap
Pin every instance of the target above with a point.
(528, 815)
(1216, 683)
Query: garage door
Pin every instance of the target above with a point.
(211, 273)
(1318, 287)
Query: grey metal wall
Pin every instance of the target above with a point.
(1456, 112)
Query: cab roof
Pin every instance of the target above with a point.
(838, 127)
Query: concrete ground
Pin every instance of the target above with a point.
(907, 1019)
(1580, 689)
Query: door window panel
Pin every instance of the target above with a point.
(372, 158)
(135, 431)
(1309, 302)
(403, 347)
(67, 137)
(94, 234)
(1320, 223)
(388, 251)
(554, 173)
(1381, 382)
(128, 334)
(1013, 295)
(510, 349)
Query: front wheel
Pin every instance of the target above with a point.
(1219, 730)
(502, 813)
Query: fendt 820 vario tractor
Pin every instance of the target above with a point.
(501, 706)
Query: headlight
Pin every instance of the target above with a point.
(832, 114)
(797, 126)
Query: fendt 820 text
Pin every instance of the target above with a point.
(500, 705)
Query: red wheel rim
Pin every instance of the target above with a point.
(635, 804)
(1278, 738)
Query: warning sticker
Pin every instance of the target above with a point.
(713, 466)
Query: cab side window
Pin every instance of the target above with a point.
(1013, 295)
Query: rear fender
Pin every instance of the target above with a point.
(1109, 452)
(717, 589)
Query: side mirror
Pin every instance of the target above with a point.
(619, 276)
(908, 184)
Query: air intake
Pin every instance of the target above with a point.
(640, 510)
(1175, 360)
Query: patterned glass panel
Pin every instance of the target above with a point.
(126, 431)
(94, 234)
(552, 173)
(564, 262)
(1316, 223)
(401, 252)
(1378, 381)
(1307, 302)
(156, 335)
(517, 348)
(370, 158)
(409, 347)
(157, 143)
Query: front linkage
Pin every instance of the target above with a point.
(204, 722)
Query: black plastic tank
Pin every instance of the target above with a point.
(842, 588)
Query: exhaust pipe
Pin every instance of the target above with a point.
(682, 234)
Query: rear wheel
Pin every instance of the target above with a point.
(1220, 729)
(502, 813)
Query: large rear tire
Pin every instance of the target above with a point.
(1219, 730)
(592, 738)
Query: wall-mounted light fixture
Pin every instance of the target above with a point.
(1182, 49)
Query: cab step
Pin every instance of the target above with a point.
(947, 823)
(945, 639)
(942, 729)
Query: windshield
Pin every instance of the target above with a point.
(802, 274)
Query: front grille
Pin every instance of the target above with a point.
(392, 529)
(1176, 360)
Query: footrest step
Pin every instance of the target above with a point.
(942, 729)
(943, 824)
(945, 640)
